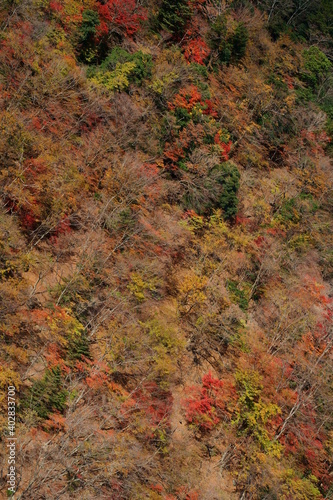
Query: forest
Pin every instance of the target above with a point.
(166, 249)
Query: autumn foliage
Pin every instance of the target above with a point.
(196, 51)
(165, 263)
(208, 403)
(122, 14)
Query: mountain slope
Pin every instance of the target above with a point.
(166, 248)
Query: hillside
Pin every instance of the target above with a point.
(166, 249)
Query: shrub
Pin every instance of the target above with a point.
(229, 45)
(196, 51)
(87, 34)
(78, 347)
(47, 395)
(121, 68)
(238, 295)
(207, 404)
(288, 212)
(199, 69)
(123, 16)
(173, 16)
(142, 63)
(227, 176)
(316, 65)
(140, 286)
(254, 415)
(239, 42)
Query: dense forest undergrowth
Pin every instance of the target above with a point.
(165, 248)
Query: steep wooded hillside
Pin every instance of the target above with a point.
(166, 248)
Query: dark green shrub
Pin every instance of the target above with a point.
(117, 55)
(230, 47)
(78, 347)
(317, 67)
(199, 69)
(239, 42)
(120, 68)
(227, 176)
(288, 211)
(173, 16)
(47, 395)
(238, 295)
(183, 117)
(322, 16)
(87, 32)
(142, 63)
(218, 39)
(218, 189)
